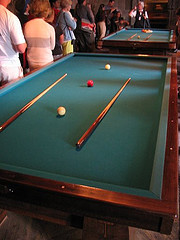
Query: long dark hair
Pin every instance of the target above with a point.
(101, 7)
(80, 1)
(100, 13)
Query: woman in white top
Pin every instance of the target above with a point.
(40, 35)
(140, 15)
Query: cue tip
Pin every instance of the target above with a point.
(78, 146)
(86, 135)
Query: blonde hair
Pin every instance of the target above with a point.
(40, 8)
(65, 3)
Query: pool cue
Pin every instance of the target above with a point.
(147, 37)
(100, 117)
(132, 36)
(29, 104)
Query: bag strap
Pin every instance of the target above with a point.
(57, 21)
(67, 25)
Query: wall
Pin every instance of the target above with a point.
(123, 5)
(126, 5)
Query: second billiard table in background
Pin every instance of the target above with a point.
(134, 40)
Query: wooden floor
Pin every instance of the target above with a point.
(15, 227)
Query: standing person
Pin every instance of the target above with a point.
(140, 15)
(12, 43)
(74, 2)
(178, 29)
(117, 22)
(100, 22)
(55, 4)
(22, 7)
(85, 27)
(57, 51)
(109, 9)
(40, 35)
(68, 24)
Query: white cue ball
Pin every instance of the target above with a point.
(107, 67)
(61, 111)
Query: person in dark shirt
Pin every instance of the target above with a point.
(117, 22)
(22, 12)
(140, 15)
(55, 4)
(57, 51)
(22, 7)
(109, 9)
(178, 29)
(84, 32)
(100, 22)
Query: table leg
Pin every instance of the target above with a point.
(94, 229)
(2, 215)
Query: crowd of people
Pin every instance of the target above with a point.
(108, 20)
(43, 30)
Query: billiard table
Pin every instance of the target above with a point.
(127, 170)
(133, 40)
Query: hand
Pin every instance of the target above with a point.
(144, 17)
(135, 8)
(89, 6)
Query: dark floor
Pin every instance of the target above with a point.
(15, 227)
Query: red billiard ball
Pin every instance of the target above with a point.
(90, 83)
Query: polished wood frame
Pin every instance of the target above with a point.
(136, 46)
(60, 202)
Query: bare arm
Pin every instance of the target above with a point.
(61, 39)
(20, 47)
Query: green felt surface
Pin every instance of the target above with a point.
(125, 34)
(123, 150)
